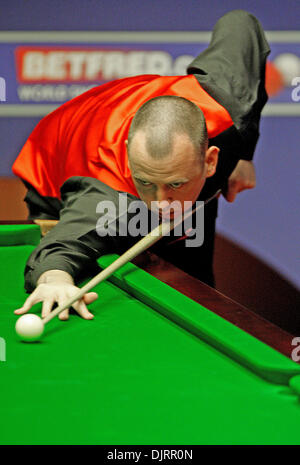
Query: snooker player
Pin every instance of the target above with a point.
(156, 138)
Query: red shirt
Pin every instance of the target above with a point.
(86, 136)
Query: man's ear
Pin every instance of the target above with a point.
(211, 160)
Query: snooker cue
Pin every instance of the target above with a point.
(142, 245)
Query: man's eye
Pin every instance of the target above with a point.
(176, 185)
(144, 183)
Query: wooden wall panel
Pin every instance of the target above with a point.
(12, 193)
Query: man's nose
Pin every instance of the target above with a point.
(163, 195)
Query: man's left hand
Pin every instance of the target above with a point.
(243, 177)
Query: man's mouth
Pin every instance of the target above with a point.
(168, 214)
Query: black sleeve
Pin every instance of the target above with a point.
(230, 143)
(74, 244)
(232, 71)
(41, 207)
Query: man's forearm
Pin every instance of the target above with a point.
(54, 276)
(72, 247)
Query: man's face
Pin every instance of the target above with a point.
(179, 176)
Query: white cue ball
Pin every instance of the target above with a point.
(29, 327)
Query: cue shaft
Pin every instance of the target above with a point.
(130, 254)
(142, 245)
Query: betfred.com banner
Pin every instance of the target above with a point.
(47, 69)
(59, 73)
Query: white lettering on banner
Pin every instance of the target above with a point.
(56, 66)
(135, 63)
(2, 90)
(93, 65)
(158, 63)
(181, 63)
(296, 91)
(55, 93)
(87, 65)
(33, 65)
(113, 65)
(76, 62)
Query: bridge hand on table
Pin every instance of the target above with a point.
(56, 286)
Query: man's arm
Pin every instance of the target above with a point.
(232, 71)
(56, 286)
(243, 177)
(68, 253)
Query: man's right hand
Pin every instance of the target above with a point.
(56, 286)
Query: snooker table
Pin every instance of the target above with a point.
(153, 367)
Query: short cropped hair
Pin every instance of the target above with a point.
(163, 117)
